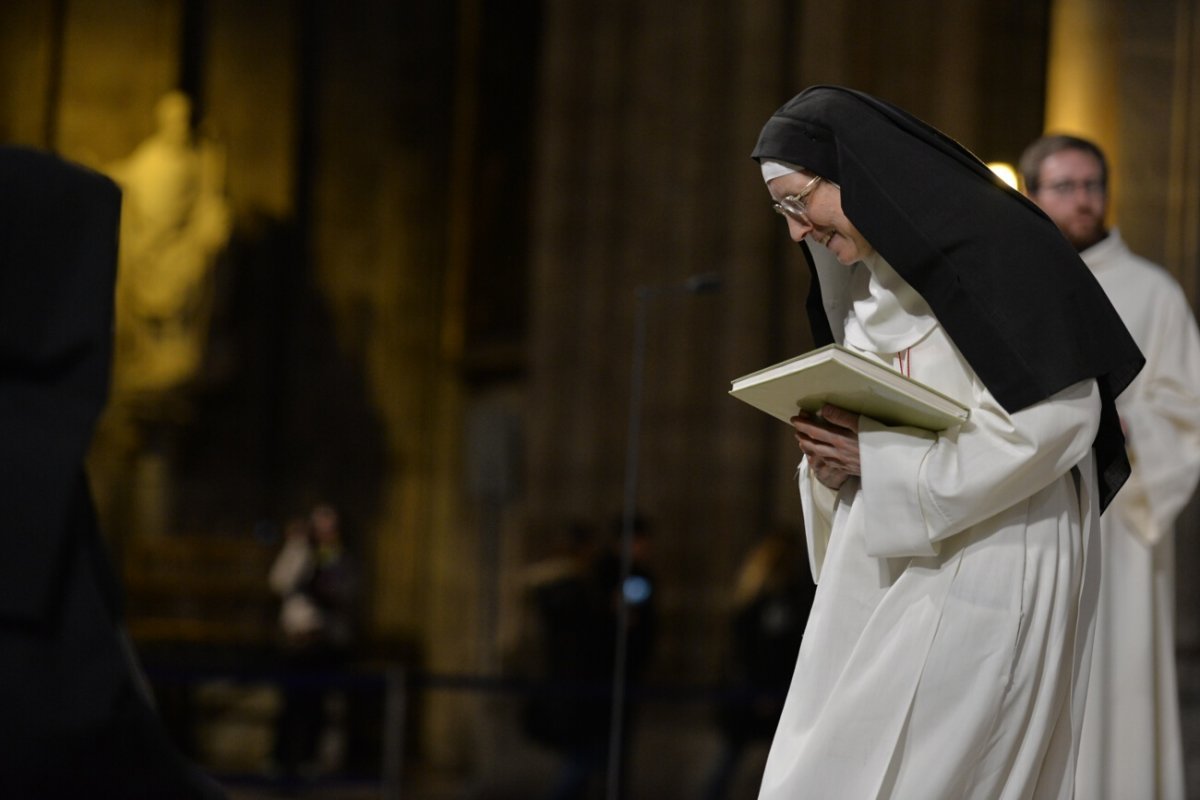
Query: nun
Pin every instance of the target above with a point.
(957, 572)
(79, 720)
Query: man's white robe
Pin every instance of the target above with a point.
(952, 618)
(1131, 745)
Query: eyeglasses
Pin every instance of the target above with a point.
(793, 205)
(1068, 188)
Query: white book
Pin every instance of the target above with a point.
(839, 376)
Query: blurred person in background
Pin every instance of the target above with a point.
(567, 651)
(771, 601)
(1132, 746)
(318, 581)
(634, 594)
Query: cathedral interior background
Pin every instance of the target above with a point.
(391, 257)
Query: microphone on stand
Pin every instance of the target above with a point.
(704, 283)
(701, 283)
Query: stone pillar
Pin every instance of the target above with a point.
(1182, 254)
(1182, 257)
(1082, 79)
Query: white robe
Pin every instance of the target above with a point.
(951, 626)
(1131, 745)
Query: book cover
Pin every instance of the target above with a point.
(837, 375)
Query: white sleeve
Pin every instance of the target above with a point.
(818, 502)
(289, 567)
(1162, 412)
(919, 488)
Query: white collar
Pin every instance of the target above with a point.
(886, 314)
(1106, 251)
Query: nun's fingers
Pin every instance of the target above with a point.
(842, 452)
(835, 415)
(826, 473)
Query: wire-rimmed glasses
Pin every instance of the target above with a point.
(793, 205)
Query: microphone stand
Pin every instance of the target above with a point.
(697, 284)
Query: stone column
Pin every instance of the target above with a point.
(1181, 185)
(1082, 70)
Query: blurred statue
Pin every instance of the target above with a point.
(174, 223)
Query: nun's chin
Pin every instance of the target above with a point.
(846, 250)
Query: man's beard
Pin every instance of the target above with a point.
(1083, 237)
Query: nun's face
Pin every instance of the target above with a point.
(823, 221)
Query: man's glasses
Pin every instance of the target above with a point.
(1068, 188)
(793, 205)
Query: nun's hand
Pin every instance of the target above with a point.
(829, 440)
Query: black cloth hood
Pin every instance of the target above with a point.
(1011, 292)
(58, 260)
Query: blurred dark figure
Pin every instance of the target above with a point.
(569, 649)
(78, 718)
(573, 600)
(299, 618)
(638, 591)
(318, 581)
(771, 601)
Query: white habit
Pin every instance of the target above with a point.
(1131, 743)
(952, 619)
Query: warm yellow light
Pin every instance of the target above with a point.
(1005, 172)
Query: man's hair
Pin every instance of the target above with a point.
(1031, 160)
